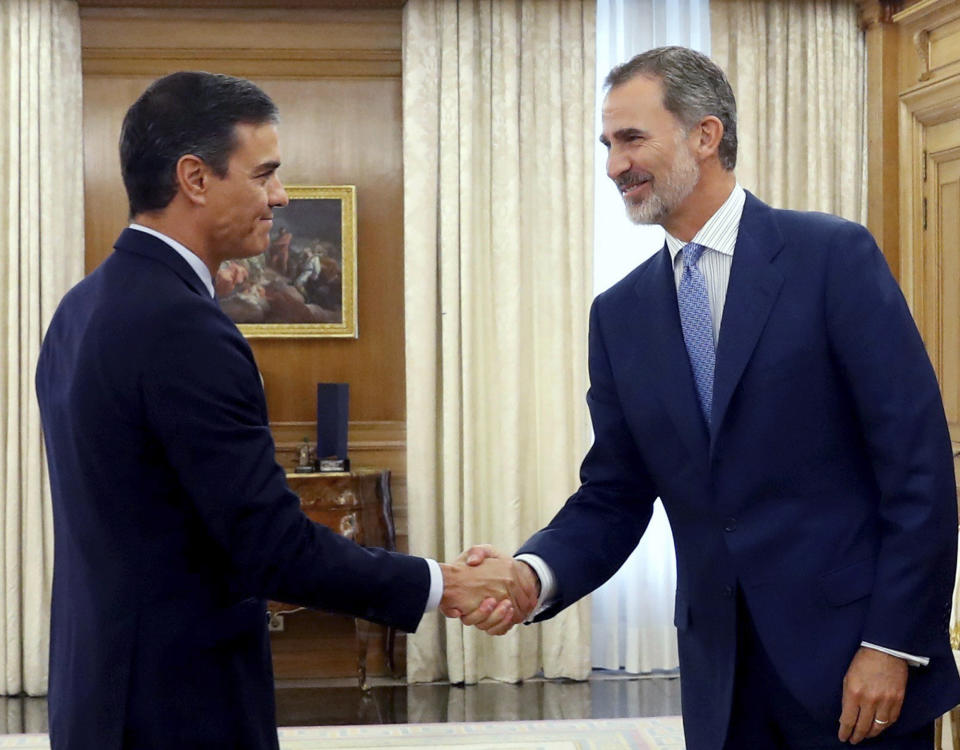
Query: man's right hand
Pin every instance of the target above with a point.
(489, 590)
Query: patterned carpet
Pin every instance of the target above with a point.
(596, 734)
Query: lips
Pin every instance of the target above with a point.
(630, 184)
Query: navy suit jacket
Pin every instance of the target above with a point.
(173, 522)
(823, 488)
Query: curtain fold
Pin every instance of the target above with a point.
(41, 225)
(798, 70)
(498, 125)
(632, 614)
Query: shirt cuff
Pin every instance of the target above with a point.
(913, 661)
(436, 585)
(548, 583)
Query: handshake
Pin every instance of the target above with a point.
(492, 591)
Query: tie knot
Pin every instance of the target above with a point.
(691, 254)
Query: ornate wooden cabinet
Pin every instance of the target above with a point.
(357, 505)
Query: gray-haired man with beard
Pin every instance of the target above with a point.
(763, 376)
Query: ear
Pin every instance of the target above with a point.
(707, 137)
(193, 178)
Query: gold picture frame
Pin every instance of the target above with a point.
(305, 284)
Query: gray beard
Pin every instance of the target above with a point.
(674, 190)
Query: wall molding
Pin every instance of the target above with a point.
(934, 26)
(262, 63)
(246, 40)
(382, 442)
(874, 12)
(87, 5)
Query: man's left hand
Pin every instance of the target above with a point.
(873, 690)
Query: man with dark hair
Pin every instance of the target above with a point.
(762, 375)
(184, 112)
(173, 522)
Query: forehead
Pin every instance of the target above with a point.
(256, 143)
(638, 103)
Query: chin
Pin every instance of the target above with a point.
(256, 248)
(648, 212)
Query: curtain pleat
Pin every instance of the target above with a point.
(498, 131)
(798, 69)
(41, 225)
(632, 614)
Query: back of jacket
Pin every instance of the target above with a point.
(172, 520)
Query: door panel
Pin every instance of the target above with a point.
(942, 257)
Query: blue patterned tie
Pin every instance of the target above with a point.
(697, 325)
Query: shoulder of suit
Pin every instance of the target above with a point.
(819, 238)
(796, 223)
(139, 292)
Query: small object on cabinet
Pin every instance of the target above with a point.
(306, 464)
(333, 409)
(333, 463)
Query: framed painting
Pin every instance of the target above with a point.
(305, 284)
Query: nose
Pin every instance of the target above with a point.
(617, 163)
(278, 196)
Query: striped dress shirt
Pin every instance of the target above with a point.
(719, 236)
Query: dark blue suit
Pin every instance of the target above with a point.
(823, 488)
(173, 523)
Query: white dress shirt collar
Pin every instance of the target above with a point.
(720, 231)
(196, 264)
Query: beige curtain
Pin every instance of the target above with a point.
(41, 255)
(498, 112)
(797, 68)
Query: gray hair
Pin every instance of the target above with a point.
(694, 87)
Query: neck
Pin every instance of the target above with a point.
(177, 228)
(713, 188)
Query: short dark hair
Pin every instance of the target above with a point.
(694, 87)
(184, 113)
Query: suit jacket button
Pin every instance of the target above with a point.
(728, 592)
(730, 524)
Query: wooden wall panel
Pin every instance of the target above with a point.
(105, 203)
(929, 187)
(335, 75)
(332, 132)
(882, 40)
(347, 132)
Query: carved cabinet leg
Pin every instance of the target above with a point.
(363, 648)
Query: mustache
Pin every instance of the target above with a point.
(631, 179)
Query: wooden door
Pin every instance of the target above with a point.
(941, 239)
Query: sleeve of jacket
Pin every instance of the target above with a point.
(204, 402)
(600, 525)
(895, 392)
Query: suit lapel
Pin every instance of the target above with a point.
(751, 293)
(659, 337)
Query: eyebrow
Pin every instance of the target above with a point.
(267, 166)
(623, 134)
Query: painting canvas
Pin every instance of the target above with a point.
(305, 283)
